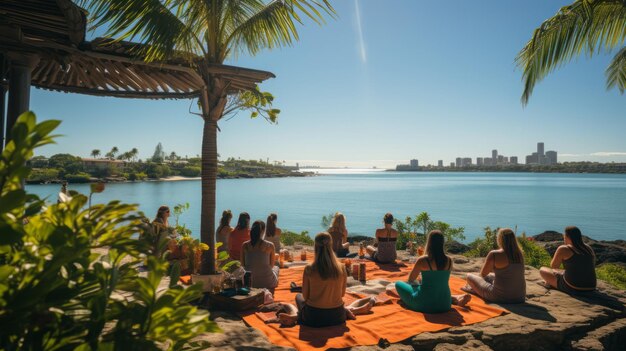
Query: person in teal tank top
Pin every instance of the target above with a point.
(431, 292)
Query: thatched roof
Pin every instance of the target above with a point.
(54, 30)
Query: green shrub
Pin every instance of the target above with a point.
(190, 171)
(290, 238)
(78, 178)
(415, 229)
(612, 274)
(534, 254)
(480, 247)
(41, 175)
(69, 275)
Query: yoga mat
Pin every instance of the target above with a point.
(390, 321)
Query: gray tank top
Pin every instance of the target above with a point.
(263, 275)
(510, 282)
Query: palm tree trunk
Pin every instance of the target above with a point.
(213, 101)
(209, 183)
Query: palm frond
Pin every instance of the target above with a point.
(616, 72)
(150, 22)
(589, 26)
(273, 24)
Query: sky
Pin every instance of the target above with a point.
(384, 82)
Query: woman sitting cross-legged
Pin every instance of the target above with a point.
(386, 237)
(432, 294)
(502, 277)
(323, 286)
(258, 257)
(272, 232)
(579, 262)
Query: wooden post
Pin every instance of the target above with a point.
(3, 93)
(20, 69)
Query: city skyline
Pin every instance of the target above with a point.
(373, 102)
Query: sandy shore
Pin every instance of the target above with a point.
(176, 179)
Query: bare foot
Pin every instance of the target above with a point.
(350, 315)
(287, 320)
(468, 289)
(464, 300)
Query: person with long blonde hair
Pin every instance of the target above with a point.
(339, 233)
(324, 284)
(501, 278)
(431, 293)
(223, 230)
(579, 263)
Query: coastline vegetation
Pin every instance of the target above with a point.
(126, 167)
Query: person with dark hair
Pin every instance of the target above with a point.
(384, 250)
(323, 286)
(432, 293)
(238, 236)
(502, 276)
(579, 262)
(163, 213)
(258, 258)
(223, 230)
(272, 232)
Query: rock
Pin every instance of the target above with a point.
(356, 239)
(549, 235)
(549, 320)
(455, 247)
(606, 251)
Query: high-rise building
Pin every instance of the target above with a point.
(451, 164)
(440, 163)
(551, 157)
(487, 161)
(467, 161)
(506, 160)
(540, 149)
(500, 160)
(459, 162)
(414, 163)
(513, 160)
(479, 161)
(494, 157)
(532, 159)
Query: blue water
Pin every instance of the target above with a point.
(532, 202)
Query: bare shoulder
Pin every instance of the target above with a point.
(422, 262)
(278, 231)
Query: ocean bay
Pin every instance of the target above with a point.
(533, 202)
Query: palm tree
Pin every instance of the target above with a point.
(585, 26)
(95, 153)
(206, 34)
(113, 152)
(133, 154)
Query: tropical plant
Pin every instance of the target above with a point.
(95, 153)
(613, 274)
(289, 238)
(534, 254)
(206, 34)
(585, 26)
(415, 229)
(68, 274)
(480, 247)
(159, 155)
(327, 221)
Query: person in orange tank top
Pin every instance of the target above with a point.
(238, 236)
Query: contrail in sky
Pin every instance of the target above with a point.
(359, 28)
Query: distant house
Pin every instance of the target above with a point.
(98, 164)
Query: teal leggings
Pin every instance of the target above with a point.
(417, 300)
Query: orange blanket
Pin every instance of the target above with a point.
(390, 321)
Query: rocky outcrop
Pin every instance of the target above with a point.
(549, 320)
(606, 251)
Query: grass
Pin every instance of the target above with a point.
(612, 274)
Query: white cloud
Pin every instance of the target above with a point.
(572, 155)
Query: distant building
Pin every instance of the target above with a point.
(506, 160)
(540, 149)
(500, 160)
(451, 164)
(513, 160)
(487, 161)
(414, 163)
(466, 162)
(479, 161)
(459, 162)
(494, 157)
(440, 163)
(551, 157)
(532, 159)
